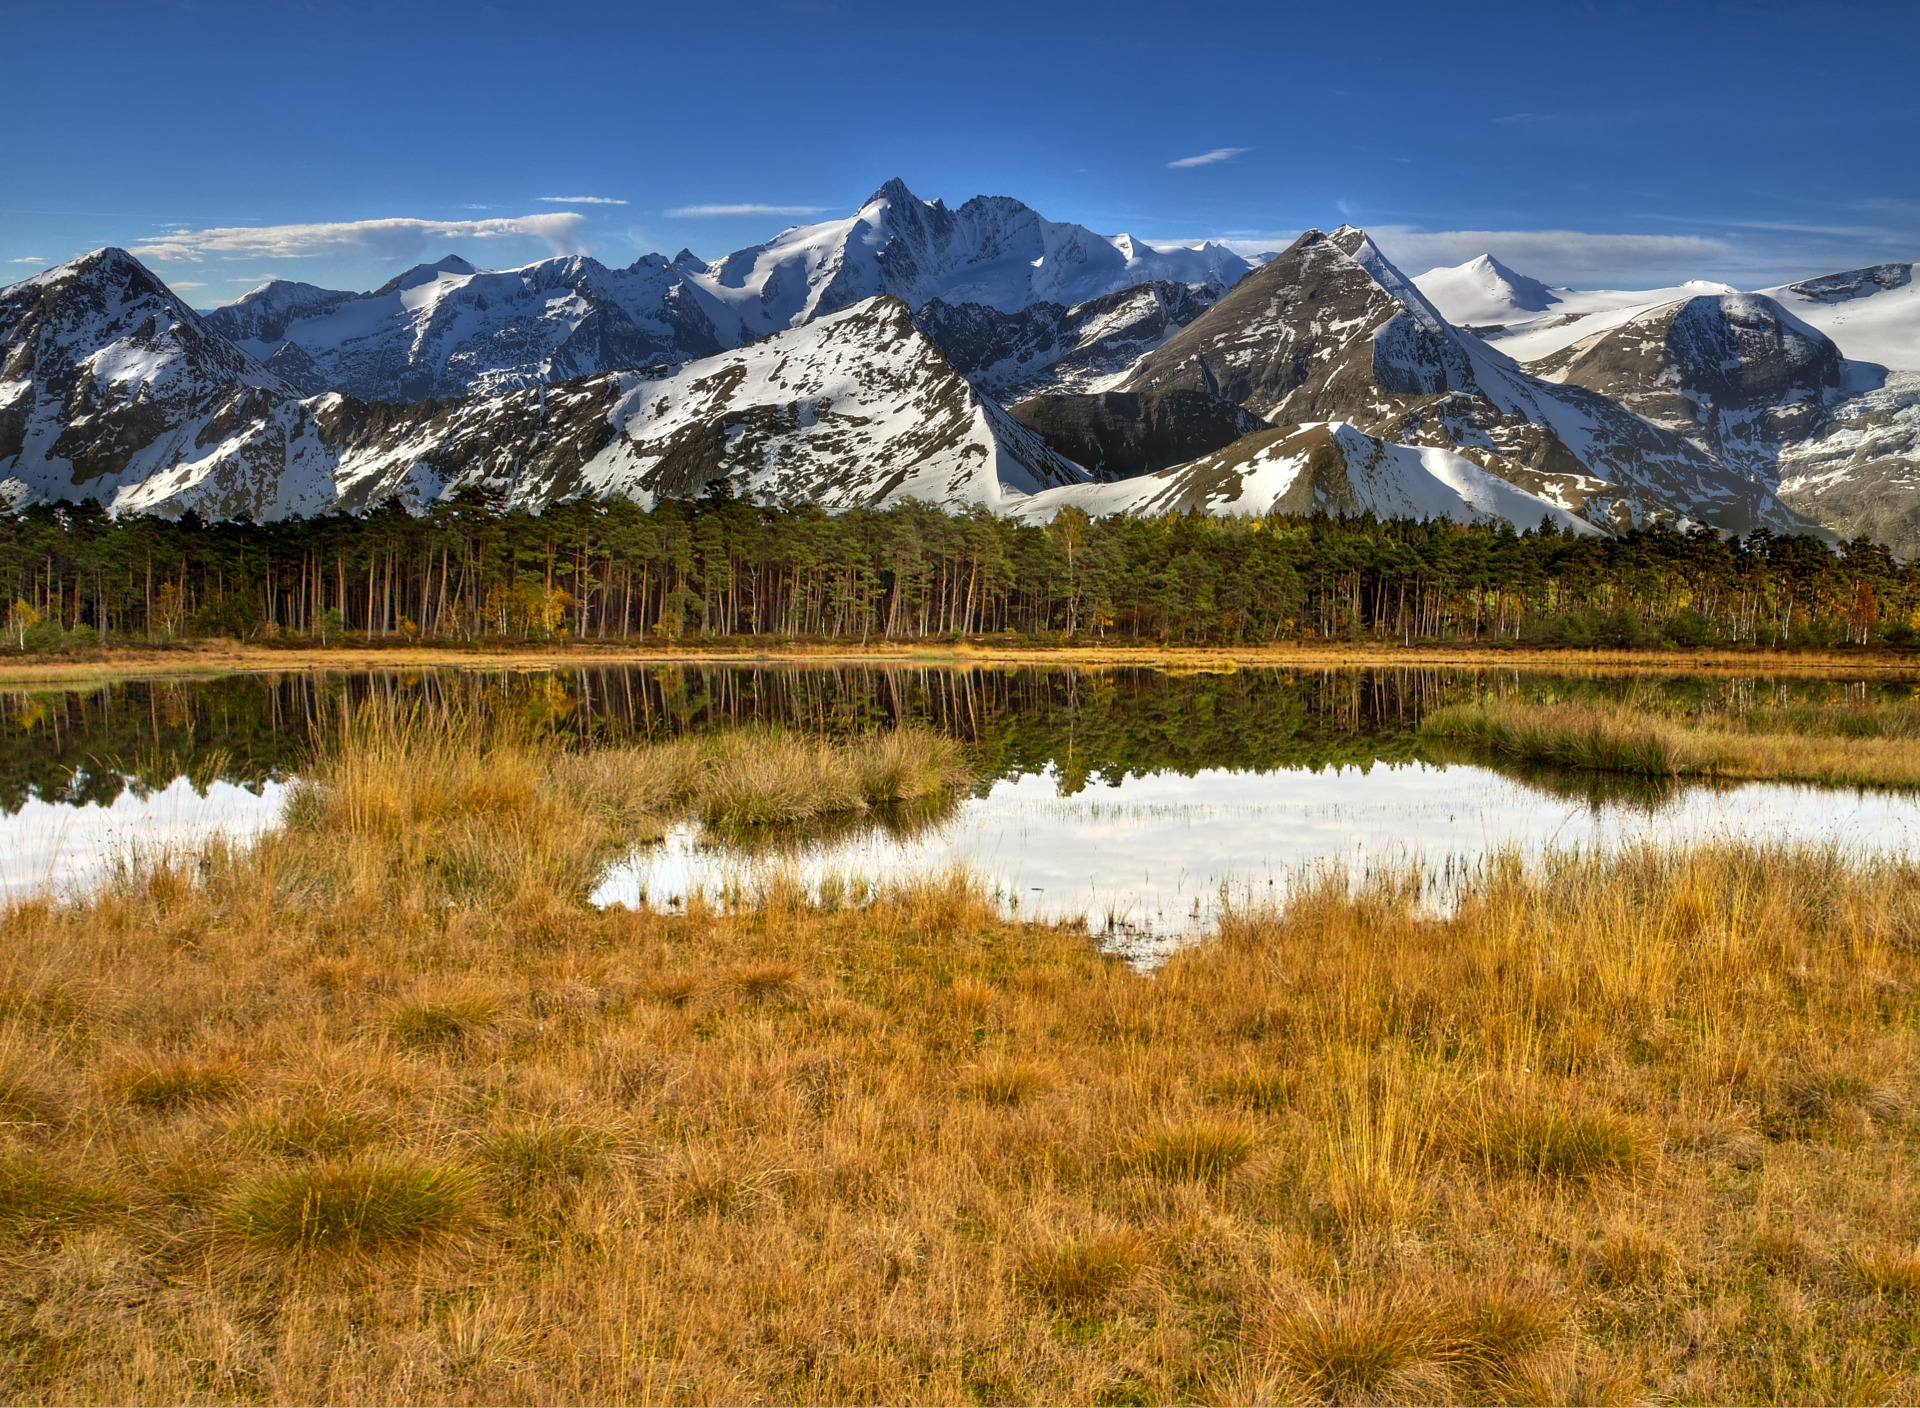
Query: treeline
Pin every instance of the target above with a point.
(606, 569)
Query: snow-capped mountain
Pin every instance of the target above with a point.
(993, 250)
(1330, 330)
(449, 329)
(1322, 379)
(114, 389)
(854, 409)
(1812, 387)
(1528, 320)
(1324, 468)
(1872, 315)
(1484, 293)
(107, 378)
(1733, 373)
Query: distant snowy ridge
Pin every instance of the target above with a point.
(449, 329)
(1871, 314)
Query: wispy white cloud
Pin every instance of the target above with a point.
(1209, 158)
(177, 284)
(27, 259)
(694, 212)
(581, 200)
(1559, 256)
(397, 238)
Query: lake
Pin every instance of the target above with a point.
(1140, 800)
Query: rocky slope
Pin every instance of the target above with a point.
(1326, 468)
(1323, 379)
(1052, 347)
(854, 409)
(1330, 330)
(1734, 374)
(1858, 471)
(1118, 434)
(448, 329)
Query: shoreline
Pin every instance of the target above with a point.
(213, 659)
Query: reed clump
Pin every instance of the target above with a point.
(1837, 747)
(1610, 1129)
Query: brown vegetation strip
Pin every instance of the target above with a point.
(1863, 746)
(381, 1109)
(212, 658)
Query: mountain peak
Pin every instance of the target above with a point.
(425, 274)
(1483, 292)
(893, 192)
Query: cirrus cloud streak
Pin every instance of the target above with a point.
(695, 212)
(396, 238)
(1578, 258)
(1208, 158)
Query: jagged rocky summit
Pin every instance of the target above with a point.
(449, 329)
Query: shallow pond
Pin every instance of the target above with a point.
(1138, 799)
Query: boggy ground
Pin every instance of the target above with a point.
(215, 657)
(382, 1109)
(1857, 743)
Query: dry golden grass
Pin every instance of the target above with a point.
(1837, 747)
(430, 1127)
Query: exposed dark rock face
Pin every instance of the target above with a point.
(1735, 374)
(1858, 471)
(1838, 288)
(1046, 346)
(1118, 434)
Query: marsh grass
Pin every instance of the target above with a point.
(1851, 746)
(37, 1197)
(1609, 1129)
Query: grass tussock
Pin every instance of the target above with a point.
(1877, 746)
(169, 1085)
(1556, 1142)
(1207, 1151)
(451, 1023)
(1078, 1275)
(353, 1208)
(1611, 1130)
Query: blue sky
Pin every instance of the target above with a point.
(1597, 144)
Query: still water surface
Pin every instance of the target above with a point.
(1138, 799)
